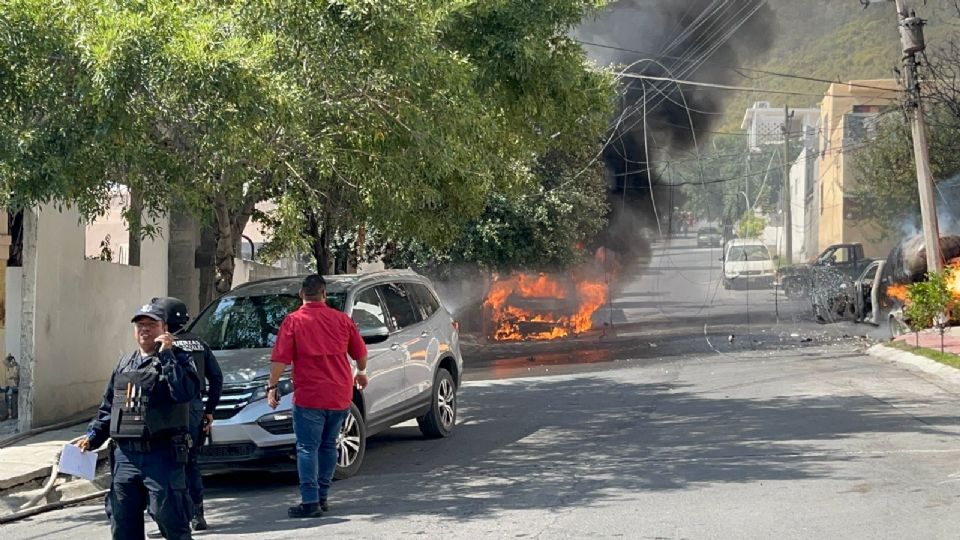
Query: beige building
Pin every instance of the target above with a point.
(848, 116)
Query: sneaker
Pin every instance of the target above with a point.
(305, 511)
(155, 533)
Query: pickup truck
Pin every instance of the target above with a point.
(839, 262)
(866, 298)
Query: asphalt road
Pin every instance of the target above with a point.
(695, 437)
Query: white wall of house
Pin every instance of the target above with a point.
(76, 315)
(247, 271)
(802, 180)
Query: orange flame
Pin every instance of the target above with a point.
(953, 277)
(900, 292)
(897, 292)
(517, 322)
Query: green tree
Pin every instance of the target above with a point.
(169, 98)
(887, 176)
(447, 127)
(547, 228)
(928, 301)
(346, 112)
(719, 180)
(751, 225)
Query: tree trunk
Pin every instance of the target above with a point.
(230, 223)
(318, 228)
(135, 236)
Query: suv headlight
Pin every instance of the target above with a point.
(284, 387)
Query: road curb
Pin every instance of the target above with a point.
(922, 363)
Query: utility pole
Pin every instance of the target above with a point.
(787, 209)
(912, 40)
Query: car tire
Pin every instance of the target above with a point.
(351, 444)
(442, 416)
(895, 327)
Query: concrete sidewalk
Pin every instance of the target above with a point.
(909, 360)
(25, 467)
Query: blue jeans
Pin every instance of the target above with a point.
(317, 431)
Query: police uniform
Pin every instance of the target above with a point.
(208, 371)
(146, 410)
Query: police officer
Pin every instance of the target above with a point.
(146, 410)
(201, 415)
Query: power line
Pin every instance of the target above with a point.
(740, 68)
(738, 88)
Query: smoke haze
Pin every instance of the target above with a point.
(694, 40)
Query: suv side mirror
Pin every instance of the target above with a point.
(376, 334)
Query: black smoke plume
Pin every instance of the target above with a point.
(698, 40)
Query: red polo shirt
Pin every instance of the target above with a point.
(316, 339)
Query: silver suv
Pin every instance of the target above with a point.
(414, 366)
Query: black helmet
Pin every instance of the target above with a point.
(176, 310)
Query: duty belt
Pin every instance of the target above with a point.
(145, 446)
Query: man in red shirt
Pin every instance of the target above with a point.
(316, 340)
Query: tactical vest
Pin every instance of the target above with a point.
(194, 346)
(142, 406)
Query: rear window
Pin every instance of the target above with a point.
(425, 299)
(709, 230)
(249, 322)
(400, 305)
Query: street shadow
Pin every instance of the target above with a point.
(548, 444)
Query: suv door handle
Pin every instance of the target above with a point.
(394, 347)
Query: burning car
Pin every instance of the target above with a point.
(878, 294)
(528, 307)
(836, 264)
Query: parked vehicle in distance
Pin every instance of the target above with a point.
(838, 263)
(414, 366)
(747, 263)
(709, 236)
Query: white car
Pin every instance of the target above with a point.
(747, 263)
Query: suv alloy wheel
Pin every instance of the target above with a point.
(351, 444)
(439, 421)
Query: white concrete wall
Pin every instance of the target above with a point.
(81, 314)
(798, 204)
(247, 271)
(14, 309)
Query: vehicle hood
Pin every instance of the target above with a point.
(243, 365)
(737, 267)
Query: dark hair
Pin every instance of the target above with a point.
(313, 286)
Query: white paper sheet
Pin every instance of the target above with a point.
(77, 463)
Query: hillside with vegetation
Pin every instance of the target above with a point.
(833, 40)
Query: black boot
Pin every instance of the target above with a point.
(323, 505)
(198, 522)
(305, 511)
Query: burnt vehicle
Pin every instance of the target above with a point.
(876, 295)
(839, 263)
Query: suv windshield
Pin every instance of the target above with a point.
(748, 253)
(249, 322)
(708, 230)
